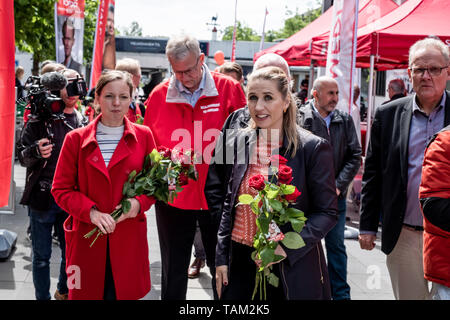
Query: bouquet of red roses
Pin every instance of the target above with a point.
(271, 206)
(164, 174)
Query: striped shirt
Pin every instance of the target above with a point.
(108, 138)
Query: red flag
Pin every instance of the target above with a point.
(7, 92)
(102, 47)
(342, 48)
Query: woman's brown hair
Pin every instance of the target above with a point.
(110, 76)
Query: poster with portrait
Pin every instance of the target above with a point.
(104, 55)
(69, 32)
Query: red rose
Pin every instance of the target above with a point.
(257, 182)
(284, 174)
(293, 196)
(276, 159)
(164, 151)
(183, 179)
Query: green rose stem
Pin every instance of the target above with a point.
(152, 180)
(271, 204)
(115, 214)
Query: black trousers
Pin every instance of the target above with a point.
(109, 291)
(176, 231)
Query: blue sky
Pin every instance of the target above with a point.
(169, 17)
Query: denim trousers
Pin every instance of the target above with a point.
(337, 256)
(41, 228)
(440, 292)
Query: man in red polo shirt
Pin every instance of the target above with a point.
(187, 111)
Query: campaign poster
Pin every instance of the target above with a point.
(69, 32)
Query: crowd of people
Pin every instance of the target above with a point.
(77, 164)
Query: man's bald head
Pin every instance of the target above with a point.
(322, 81)
(326, 95)
(272, 60)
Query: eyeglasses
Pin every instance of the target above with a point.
(188, 72)
(432, 71)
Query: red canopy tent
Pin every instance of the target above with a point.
(389, 38)
(297, 48)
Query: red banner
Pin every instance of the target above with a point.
(233, 47)
(7, 93)
(104, 54)
(71, 8)
(341, 50)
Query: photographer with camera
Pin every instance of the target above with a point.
(53, 100)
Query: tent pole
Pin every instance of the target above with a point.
(311, 78)
(370, 97)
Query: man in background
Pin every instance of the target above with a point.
(132, 66)
(181, 110)
(396, 89)
(338, 128)
(400, 132)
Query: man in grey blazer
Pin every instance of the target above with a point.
(400, 132)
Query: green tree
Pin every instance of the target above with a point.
(243, 33)
(296, 22)
(90, 23)
(35, 29)
(133, 30)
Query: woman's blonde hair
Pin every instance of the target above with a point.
(290, 115)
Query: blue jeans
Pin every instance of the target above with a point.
(337, 256)
(41, 228)
(441, 292)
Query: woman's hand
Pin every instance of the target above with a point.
(103, 221)
(221, 278)
(134, 210)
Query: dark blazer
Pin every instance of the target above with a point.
(303, 274)
(385, 175)
(343, 139)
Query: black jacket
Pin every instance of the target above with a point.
(343, 138)
(39, 173)
(304, 273)
(385, 175)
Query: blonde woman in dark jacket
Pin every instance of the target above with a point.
(271, 130)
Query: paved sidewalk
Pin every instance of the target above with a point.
(367, 272)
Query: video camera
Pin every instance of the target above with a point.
(43, 97)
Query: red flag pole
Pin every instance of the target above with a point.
(233, 49)
(99, 40)
(261, 44)
(7, 106)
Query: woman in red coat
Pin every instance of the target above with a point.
(93, 165)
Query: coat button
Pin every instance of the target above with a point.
(95, 158)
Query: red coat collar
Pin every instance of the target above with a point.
(129, 131)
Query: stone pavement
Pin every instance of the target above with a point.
(367, 272)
